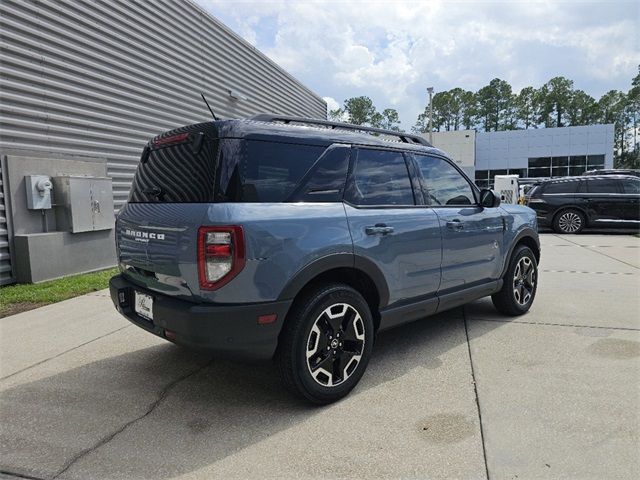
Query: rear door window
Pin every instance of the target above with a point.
(325, 180)
(562, 187)
(379, 177)
(603, 185)
(261, 171)
(631, 185)
(271, 171)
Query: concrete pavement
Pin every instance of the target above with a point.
(465, 394)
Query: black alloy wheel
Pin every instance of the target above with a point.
(326, 343)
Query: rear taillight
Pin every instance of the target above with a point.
(221, 255)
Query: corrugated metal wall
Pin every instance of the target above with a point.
(6, 275)
(98, 78)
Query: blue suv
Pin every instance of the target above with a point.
(299, 239)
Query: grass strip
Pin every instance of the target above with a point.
(23, 297)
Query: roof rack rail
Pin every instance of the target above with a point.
(404, 137)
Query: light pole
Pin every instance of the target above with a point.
(430, 90)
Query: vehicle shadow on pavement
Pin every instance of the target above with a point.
(164, 411)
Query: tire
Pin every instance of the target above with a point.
(520, 283)
(326, 343)
(569, 221)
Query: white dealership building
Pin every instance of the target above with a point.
(543, 152)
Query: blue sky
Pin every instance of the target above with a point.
(392, 51)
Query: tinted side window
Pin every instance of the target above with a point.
(562, 187)
(325, 180)
(445, 185)
(259, 171)
(603, 185)
(631, 185)
(379, 178)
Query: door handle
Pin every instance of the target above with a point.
(455, 224)
(378, 229)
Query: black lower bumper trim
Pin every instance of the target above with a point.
(225, 330)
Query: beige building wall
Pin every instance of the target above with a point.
(460, 145)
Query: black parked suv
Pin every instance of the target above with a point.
(570, 204)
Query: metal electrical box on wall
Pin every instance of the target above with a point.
(38, 191)
(84, 204)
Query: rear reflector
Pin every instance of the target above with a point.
(267, 319)
(169, 335)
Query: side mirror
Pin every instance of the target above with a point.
(489, 199)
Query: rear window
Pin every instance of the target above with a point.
(561, 187)
(181, 173)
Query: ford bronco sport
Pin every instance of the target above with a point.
(299, 239)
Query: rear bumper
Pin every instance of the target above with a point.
(226, 330)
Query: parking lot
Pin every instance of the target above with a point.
(465, 394)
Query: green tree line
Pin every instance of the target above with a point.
(362, 111)
(557, 103)
(496, 107)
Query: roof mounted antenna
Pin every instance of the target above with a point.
(208, 106)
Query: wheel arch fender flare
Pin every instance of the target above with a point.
(332, 262)
(530, 235)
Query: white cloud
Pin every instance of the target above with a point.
(391, 51)
(332, 103)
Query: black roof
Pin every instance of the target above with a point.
(584, 177)
(319, 132)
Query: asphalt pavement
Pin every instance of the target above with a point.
(466, 394)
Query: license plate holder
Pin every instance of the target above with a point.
(143, 305)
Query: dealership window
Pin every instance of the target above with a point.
(493, 173)
(559, 171)
(559, 166)
(540, 162)
(522, 172)
(539, 167)
(540, 172)
(578, 164)
(562, 166)
(595, 162)
(482, 178)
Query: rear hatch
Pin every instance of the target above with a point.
(157, 230)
